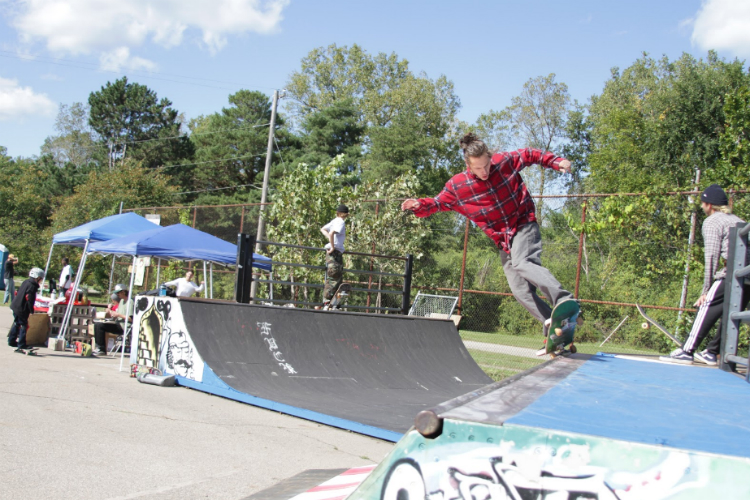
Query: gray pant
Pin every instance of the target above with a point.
(10, 288)
(524, 271)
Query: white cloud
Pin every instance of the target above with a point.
(120, 58)
(19, 102)
(105, 27)
(723, 25)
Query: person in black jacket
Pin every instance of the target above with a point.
(23, 306)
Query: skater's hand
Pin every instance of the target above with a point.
(329, 251)
(701, 300)
(565, 166)
(410, 204)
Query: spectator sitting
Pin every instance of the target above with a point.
(124, 310)
(185, 286)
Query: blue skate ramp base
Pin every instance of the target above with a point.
(685, 407)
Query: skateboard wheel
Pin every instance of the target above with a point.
(553, 354)
(573, 349)
(579, 321)
(645, 326)
(558, 332)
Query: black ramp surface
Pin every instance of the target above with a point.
(377, 370)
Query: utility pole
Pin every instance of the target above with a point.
(264, 193)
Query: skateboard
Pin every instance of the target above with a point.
(29, 351)
(658, 326)
(565, 318)
(339, 298)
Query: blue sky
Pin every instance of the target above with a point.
(197, 52)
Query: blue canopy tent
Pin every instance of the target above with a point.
(104, 229)
(178, 242)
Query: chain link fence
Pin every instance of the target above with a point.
(611, 251)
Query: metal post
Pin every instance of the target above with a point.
(46, 268)
(112, 269)
(691, 240)
(732, 297)
(369, 279)
(581, 239)
(133, 340)
(211, 268)
(264, 193)
(463, 267)
(242, 218)
(205, 285)
(73, 292)
(158, 271)
(195, 213)
(406, 297)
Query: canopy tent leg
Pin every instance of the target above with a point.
(270, 285)
(73, 292)
(158, 272)
(211, 279)
(133, 344)
(46, 268)
(205, 286)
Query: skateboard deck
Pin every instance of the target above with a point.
(562, 330)
(658, 326)
(30, 351)
(339, 298)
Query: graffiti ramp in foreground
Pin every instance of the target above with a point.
(362, 372)
(584, 427)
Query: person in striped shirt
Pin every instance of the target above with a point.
(710, 304)
(492, 194)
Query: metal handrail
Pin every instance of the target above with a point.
(303, 247)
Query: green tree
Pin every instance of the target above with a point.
(332, 131)
(76, 143)
(538, 117)
(733, 171)
(230, 146)
(132, 122)
(654, 124)
(409, 119)
(25, 209)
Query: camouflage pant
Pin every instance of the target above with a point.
(334, 273)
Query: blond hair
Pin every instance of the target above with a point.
(725, 209)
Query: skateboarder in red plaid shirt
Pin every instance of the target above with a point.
(492, 194)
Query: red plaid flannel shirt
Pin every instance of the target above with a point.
(499, 205)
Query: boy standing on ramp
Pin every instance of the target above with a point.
(710, 304)
(492, 194)
(335, 233)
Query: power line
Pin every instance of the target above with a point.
(194, 133)
(93, 67)
(219, 189)
(211, 161)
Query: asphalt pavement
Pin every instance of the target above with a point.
(78, 428)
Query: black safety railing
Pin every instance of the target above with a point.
(737, 271)
(405, 292)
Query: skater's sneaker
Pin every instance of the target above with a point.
(100, 352)
(705, 357)
(678, 356)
